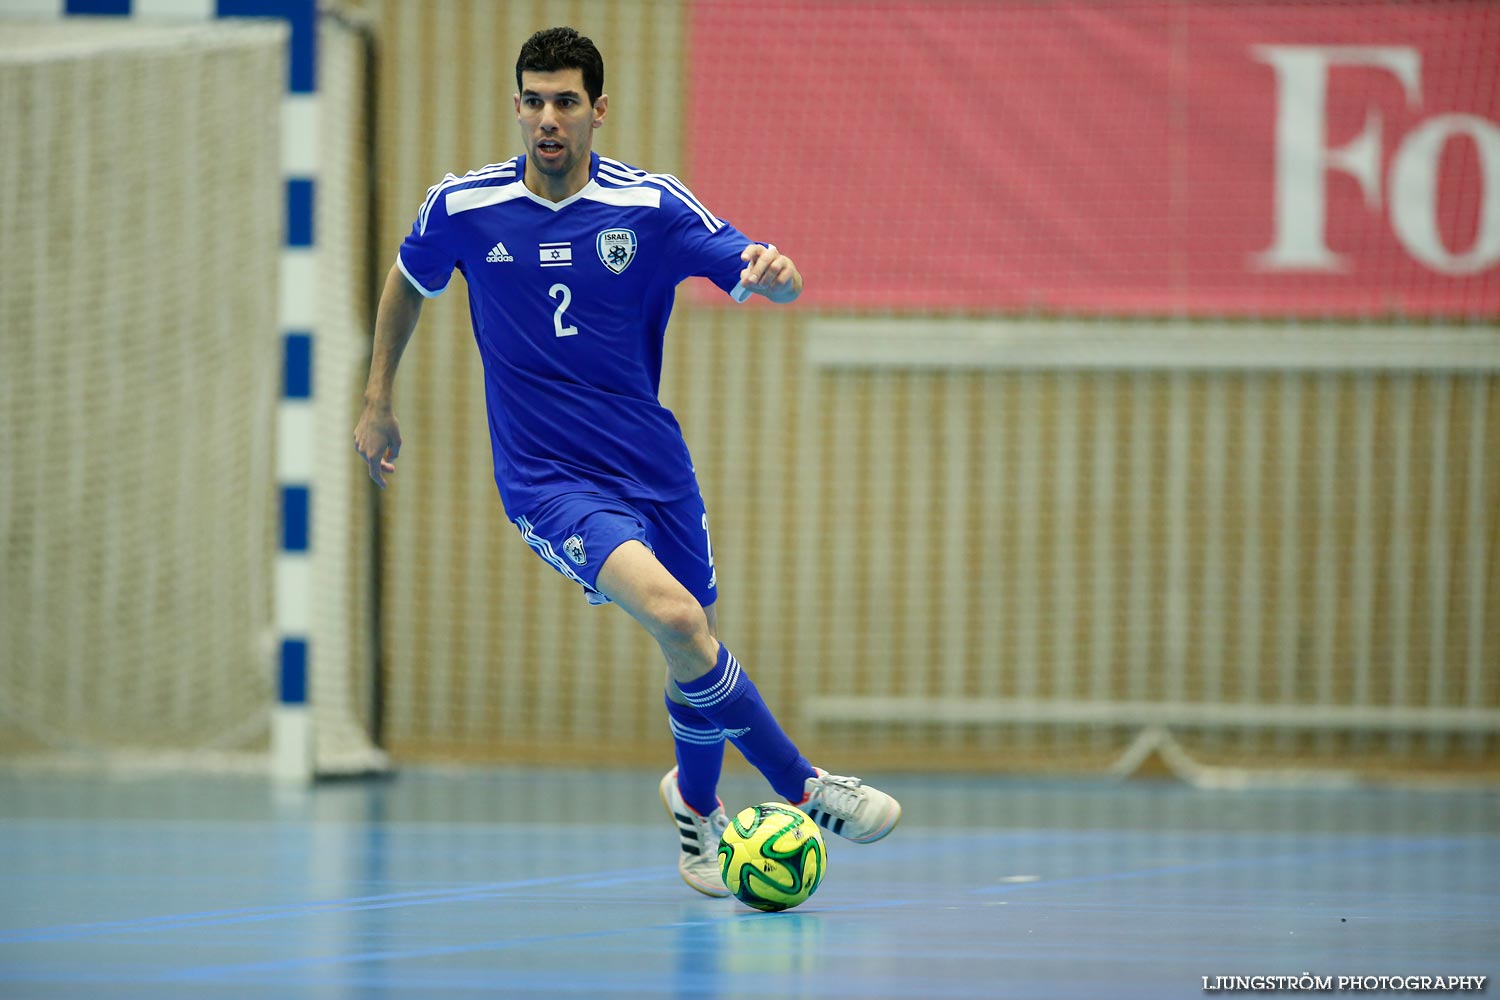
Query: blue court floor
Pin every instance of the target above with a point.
(515, 883)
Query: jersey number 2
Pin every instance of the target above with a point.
(561, 292)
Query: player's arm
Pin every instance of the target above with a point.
(709, 247)
(771, 273)
(377, 436)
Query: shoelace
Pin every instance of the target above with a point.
(840, 795)
(708, 829)
(711, 828)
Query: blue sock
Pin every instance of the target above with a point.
(727, 698)
(700, 756)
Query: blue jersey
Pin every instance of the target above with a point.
(569, 302)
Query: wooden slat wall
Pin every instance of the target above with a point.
(1324, 539)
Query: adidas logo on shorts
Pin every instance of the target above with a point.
(499, 255)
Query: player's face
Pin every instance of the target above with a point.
(557, 121)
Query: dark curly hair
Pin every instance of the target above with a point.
(553, 49)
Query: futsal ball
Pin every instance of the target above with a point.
(772, 856)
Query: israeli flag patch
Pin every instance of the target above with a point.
(616, 248)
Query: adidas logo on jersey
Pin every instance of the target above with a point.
(499, 255)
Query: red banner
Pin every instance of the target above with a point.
(1214, 158)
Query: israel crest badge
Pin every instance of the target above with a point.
(574, 548)
(616, 248)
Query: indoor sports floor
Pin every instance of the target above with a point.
(517, 883)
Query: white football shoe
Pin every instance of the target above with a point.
(849, 807)
(698, 860)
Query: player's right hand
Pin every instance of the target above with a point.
(377, 439)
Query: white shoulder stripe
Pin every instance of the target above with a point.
(708, 220)
(622, 167)
(667, 180)
(492, 170)
(625, 197)
(620, 174)
(498, 172)
(480, 197)
(484, 171)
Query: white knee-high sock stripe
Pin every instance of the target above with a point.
(701, 737)
(718, 691)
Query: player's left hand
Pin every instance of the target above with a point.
(771, 273)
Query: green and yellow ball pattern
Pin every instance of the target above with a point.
(772, 856)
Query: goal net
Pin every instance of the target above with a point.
(141, 200)
(143, 208)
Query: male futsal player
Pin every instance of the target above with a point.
(572, 260)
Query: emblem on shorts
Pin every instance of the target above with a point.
(616, 248)
(574, 548)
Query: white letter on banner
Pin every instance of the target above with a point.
(1414, 194)
(1302, 154)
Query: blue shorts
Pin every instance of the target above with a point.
(575, 532)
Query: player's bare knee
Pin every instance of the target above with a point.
(676, 620)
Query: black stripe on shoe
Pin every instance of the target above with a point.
(838, 827)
